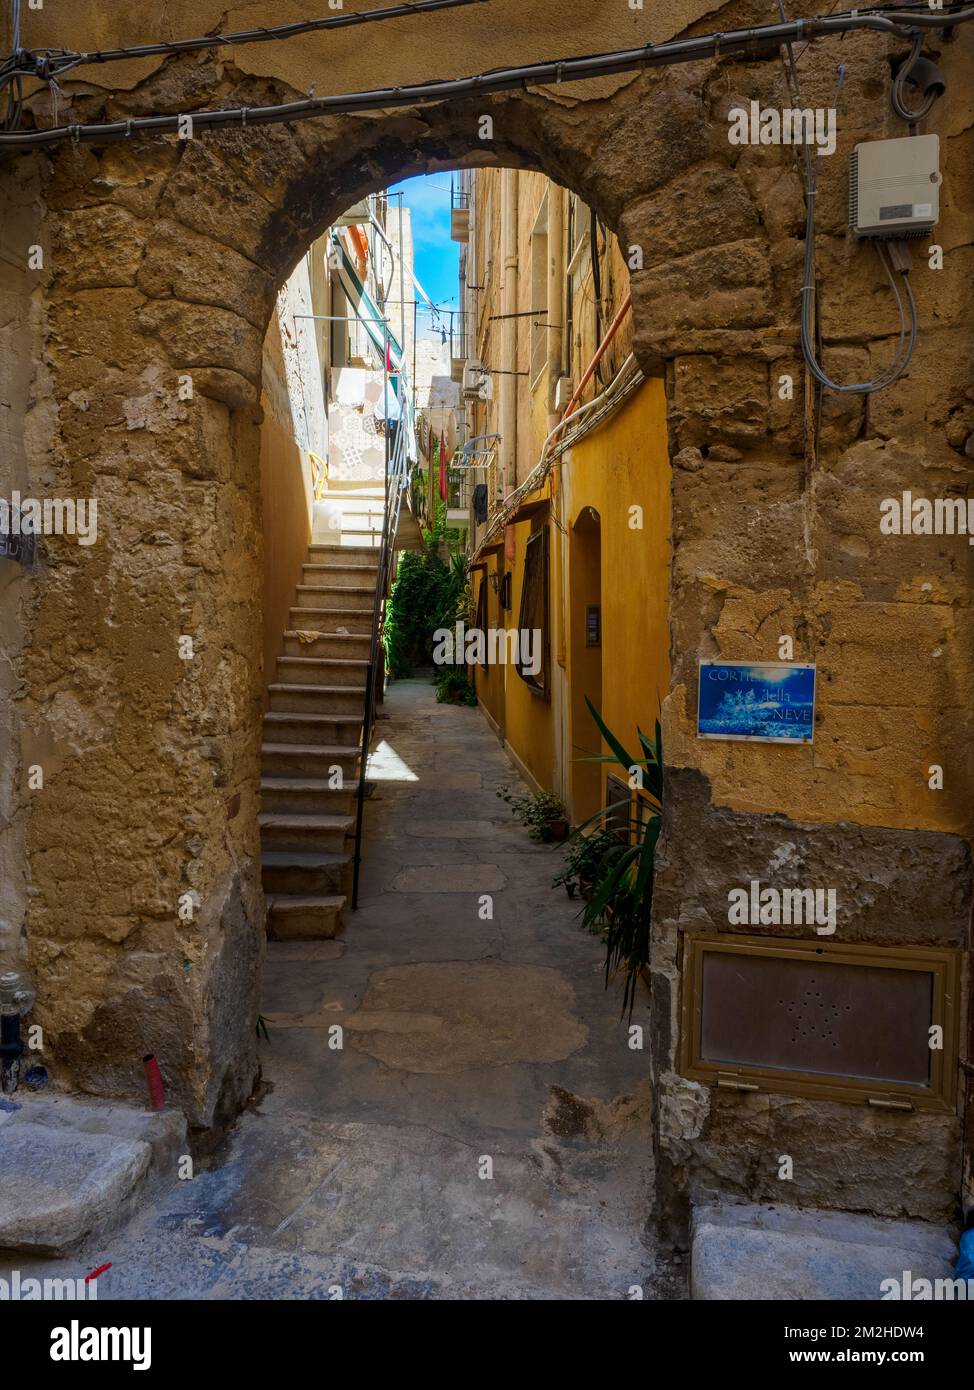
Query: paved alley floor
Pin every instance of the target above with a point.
(483, 1129)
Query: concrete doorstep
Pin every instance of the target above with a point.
(73, 1168)
(754, 1252)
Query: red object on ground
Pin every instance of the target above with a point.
(95, 1272)
(153, 1076)
(444, 491)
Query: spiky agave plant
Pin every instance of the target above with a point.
(622, 901)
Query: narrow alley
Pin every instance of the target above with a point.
(486, 554)
(362, 1169)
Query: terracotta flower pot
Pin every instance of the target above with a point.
(556, 829)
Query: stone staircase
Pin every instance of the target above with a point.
(351, 516)
(312, 743)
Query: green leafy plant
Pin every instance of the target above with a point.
(453, 688)
(622, 901)
(543, 813)
(586, 859)
(419, 594)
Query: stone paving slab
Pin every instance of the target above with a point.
(72, 1167)
(749, 1251)
(462, 1040)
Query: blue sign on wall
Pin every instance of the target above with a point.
(770, 703)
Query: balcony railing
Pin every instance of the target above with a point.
(459, 345)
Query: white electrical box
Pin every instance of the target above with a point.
(894, 186)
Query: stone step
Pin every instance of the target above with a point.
(333, 646)
(320, 553)
(341, 488)
(308, 759)
(356, 597)
(358, 621)
(306, 796)
(331, 569)
(326, 671)
(73, 1168)
(283, 726)
(315, 918)
(312, 833)
(356, 535)
(296, 873)
(746, 1251)
(335, 576)
(311, 698)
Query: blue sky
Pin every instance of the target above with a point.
(437, 258)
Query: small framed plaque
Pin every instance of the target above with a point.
(767, 702)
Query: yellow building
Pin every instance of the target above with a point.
(567, 444)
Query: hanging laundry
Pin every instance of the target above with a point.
(480, 503)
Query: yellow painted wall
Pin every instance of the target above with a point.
(489, 680)
(621, 465)
(529, 725)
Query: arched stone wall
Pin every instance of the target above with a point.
(164, 260)
(164, 257)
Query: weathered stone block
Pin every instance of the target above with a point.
(198, 335)
(97, 248)
(714, 399)
(723, 287)
(181, 265)
(699, 209)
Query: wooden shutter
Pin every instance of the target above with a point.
(533, 616)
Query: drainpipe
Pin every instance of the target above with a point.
(589, 372)
(557, 270)
(508, 381)
(556, 292)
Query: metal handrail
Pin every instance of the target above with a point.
(397, 476)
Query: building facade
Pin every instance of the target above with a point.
(575, 523)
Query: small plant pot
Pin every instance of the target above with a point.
(556, 830)
(586, 887)
(570, 887)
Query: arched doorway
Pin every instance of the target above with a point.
(152, 923)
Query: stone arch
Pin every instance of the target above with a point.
(164, 262)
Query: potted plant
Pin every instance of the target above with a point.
(622, 900)
(585, 860)
(543, 813)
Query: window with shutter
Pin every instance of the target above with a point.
(533, 618)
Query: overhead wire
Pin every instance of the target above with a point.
(739, 43)
(48, 61)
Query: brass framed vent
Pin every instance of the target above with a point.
(831, 1021)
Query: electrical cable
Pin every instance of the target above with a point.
(50, 61)
(609, 400)
(740, 43)
(901, 359)
(899, 81)
(904, 352)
